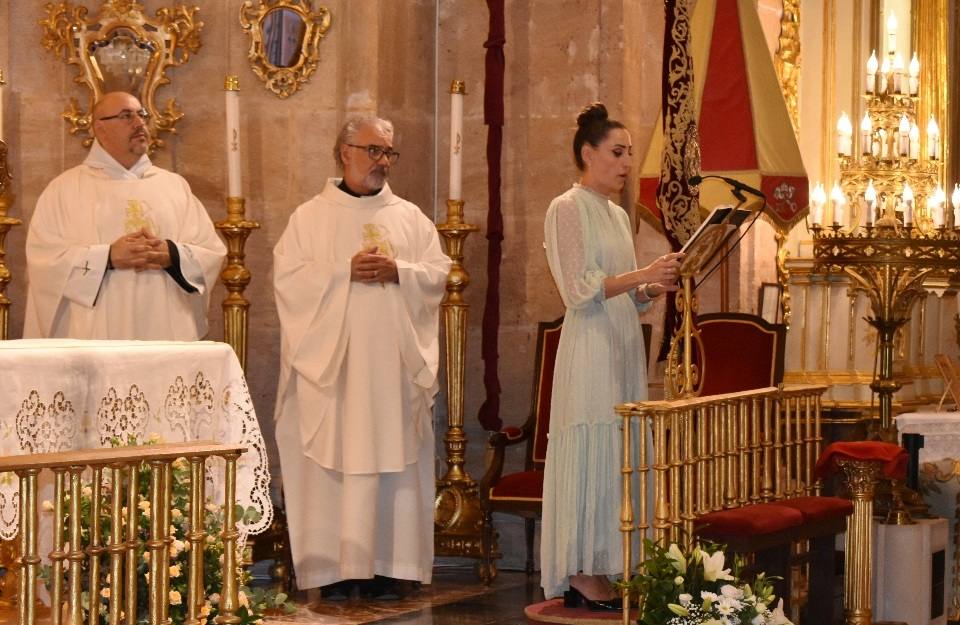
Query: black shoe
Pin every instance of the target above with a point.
(339, 591)
(385, 588)
(573, 598)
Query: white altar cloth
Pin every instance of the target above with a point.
(940, 469)
(63, 394)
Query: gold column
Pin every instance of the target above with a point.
(235, 275)
(860, 477)
(459, 518)
(932, 19)
(116, 545)
(228, 596)
(30, 560)
(195, 538)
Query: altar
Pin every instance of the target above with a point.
(940, 481)
(64, 394)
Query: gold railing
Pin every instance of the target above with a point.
(710, 453)
(114, 493)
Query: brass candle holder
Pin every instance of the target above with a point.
(235, 276)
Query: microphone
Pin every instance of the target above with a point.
(736, 184)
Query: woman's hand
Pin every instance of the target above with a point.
(663, 271)
(653, 290)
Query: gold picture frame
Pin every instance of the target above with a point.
(284, 41)
(121, 49)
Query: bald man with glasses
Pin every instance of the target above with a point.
(358, 277)
(118, 248)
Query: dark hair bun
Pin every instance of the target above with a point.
(591, 114)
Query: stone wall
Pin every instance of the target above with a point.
(395, 58)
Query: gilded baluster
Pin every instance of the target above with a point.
(156, 544)
(195, 538)
(95, 549)
(75, 555)
(29, 559)
(58, 555)
(133, 542)
(228, 598)
(626, 502)
(116, 545)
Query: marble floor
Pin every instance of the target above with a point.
(455, 597)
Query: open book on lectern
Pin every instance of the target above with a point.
(722, 221)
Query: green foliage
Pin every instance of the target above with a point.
(253, 604)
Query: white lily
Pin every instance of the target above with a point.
(679, 610)
(677, 559)
(713, 568)
(777, 617)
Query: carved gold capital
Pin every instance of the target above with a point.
(860, 476)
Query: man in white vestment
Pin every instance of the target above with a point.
(359, 275)
(118, 248)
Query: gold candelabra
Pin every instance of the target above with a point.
(235, 276)
(896, 234)
(6, 223)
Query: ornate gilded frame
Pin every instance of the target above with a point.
(284, 81)
(171, 37)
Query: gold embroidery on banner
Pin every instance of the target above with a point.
(43, 428)
(377, 235)
(787, 60)
(681, 152)
(138, 218)
(122, 417)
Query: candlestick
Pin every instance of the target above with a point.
(914, 141)
(914, 74)
(955, 200)
(897, 73)
(866, 134)
(231, 87)
(872, 65)
(884, 76)
(904, 136)
(907, 204)
(939, 198)
(870, 195)
(844, 135)
(891, 33)
(837, 201)
(933, 139)
(818, 198)
(457, 90)
(884, 146)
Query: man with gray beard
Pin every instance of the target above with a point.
(358, 277)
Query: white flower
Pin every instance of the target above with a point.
(777, 617)
(759, 619)
(175, 514)
(728, 606)
(176, 547)
(205, 609)
(678, 580)
(175, 570)
(153, 438)
(175, 598)
(212, 507)
(215, 598)
(87, 491)
(47, 505)
(146, 556)
(713, 568)
(679, 610)
(677, 558)
(242, 599)
(731, 591)
(706, 595)
(685, 599)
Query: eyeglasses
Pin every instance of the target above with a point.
(376, 152)
(128, 116)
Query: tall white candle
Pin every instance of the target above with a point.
(844, 135)
(939, 210)
(884, 76)
(955, 200)
(907, 204)
(872, 65)
(914, 141)
(914, 74)
(898, 74)
(904, 136)
(866, 134)
(891, 33)
(231, 88)
(870, 195)
(817, 199)
(837, 200)
(933, 139)
(457, 89)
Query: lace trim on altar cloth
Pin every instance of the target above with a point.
(191, 411)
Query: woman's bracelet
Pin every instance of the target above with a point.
(646, 294)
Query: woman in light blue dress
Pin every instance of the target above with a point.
(599, 364)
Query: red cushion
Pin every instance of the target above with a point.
(893, 457)
(544, 390)
(522, 485)
(756, 356)
(757, 519)
(819, 508)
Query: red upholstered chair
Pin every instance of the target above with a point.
(740, 352)
(521, 493)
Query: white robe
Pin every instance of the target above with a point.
(358, 377)
(72, 294)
